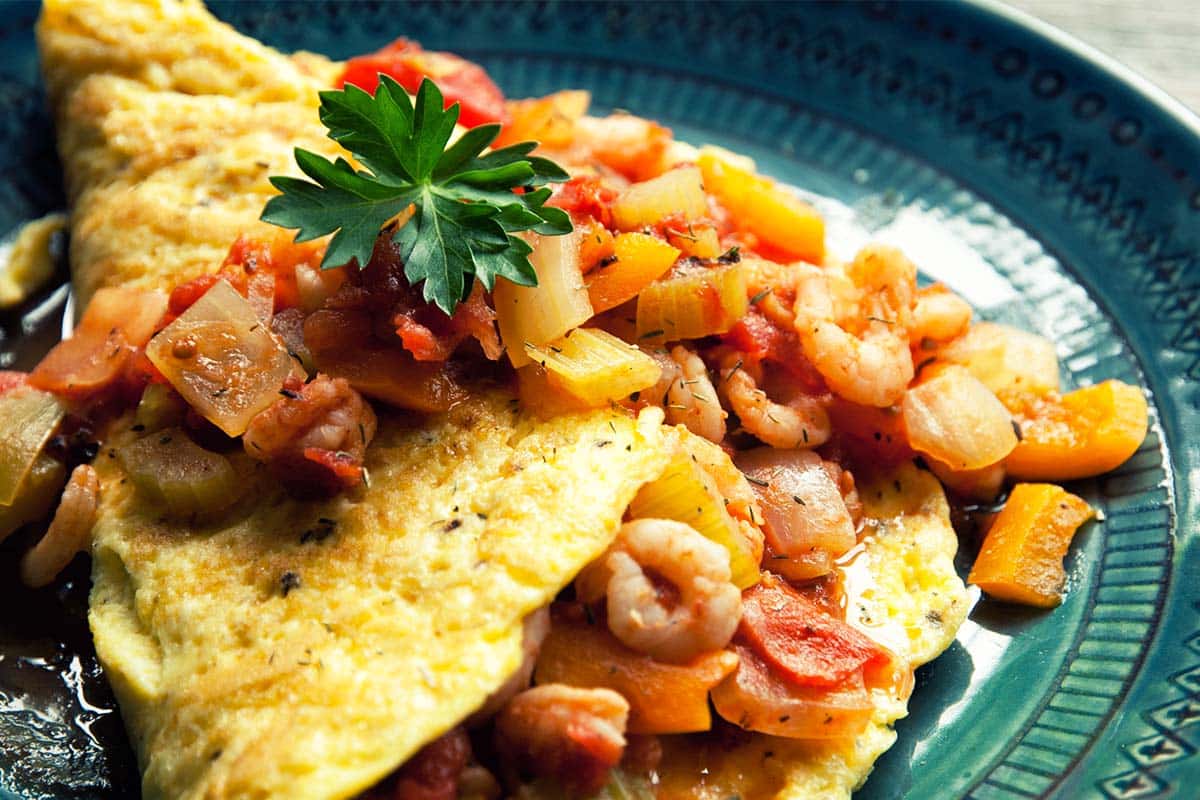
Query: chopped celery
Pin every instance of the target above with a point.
(687, 493)
(160, 407)
(595, 366)
(173, 470)
(28, 417)
(697, 303)
(542, 313)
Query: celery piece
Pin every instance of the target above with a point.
(686, 493)
(595, 366)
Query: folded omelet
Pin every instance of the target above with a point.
(306, 649)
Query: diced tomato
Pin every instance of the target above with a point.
(278, 257)
(459, 80)
(343, 346)
(761, 339)
(586, 196)
(246, 267)
(94, 359)
(800, 641)
(430, 335)
(187, 293)
(10, 380)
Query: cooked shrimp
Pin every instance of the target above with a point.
(691, 398)
(315, 437)
(69, 531)
(572, 735)
(939, 315)
(856, 333)
(803, 422)
(696, 612)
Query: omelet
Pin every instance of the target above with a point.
(306, 649)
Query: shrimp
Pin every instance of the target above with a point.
(316, 436)
(803, 422)
(691, 398)
(69, 531)
(561, 732)
(854, 327)
(696, 611)
(939, 315)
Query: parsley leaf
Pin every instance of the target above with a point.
(464, 209)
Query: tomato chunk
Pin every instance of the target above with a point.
(799, 641)
(460, 81)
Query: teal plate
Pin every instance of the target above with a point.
(1049, 185)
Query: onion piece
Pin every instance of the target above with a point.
(28, 418)
(540, 314)
(1005, 358)
(173, 470)
(595, 366)
(36, 497)
(757, 700)
(807, 523)
(223, 359)
(697, 303)
(955, 418)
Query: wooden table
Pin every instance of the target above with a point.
(1158, 38)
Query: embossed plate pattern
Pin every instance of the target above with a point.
(1051, 187)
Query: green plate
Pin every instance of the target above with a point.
(1048, 185)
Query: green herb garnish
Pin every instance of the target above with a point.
(465, 211)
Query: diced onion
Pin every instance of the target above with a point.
(173, 470)
(28, 417)
(697, 303)
(807, 523)
(1005, 358)
(758, 700)
(686, 493)
(37, 495)
(677, 193)
(595, 366)
(222, 359)
(956, 419)
(542, 313)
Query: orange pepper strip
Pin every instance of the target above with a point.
(663, 698)
(1084, 433)
(641, 259)
(773, 214)
(1022, 554)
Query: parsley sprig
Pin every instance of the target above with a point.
(465, 211)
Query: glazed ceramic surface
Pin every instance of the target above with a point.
(1045, 184)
